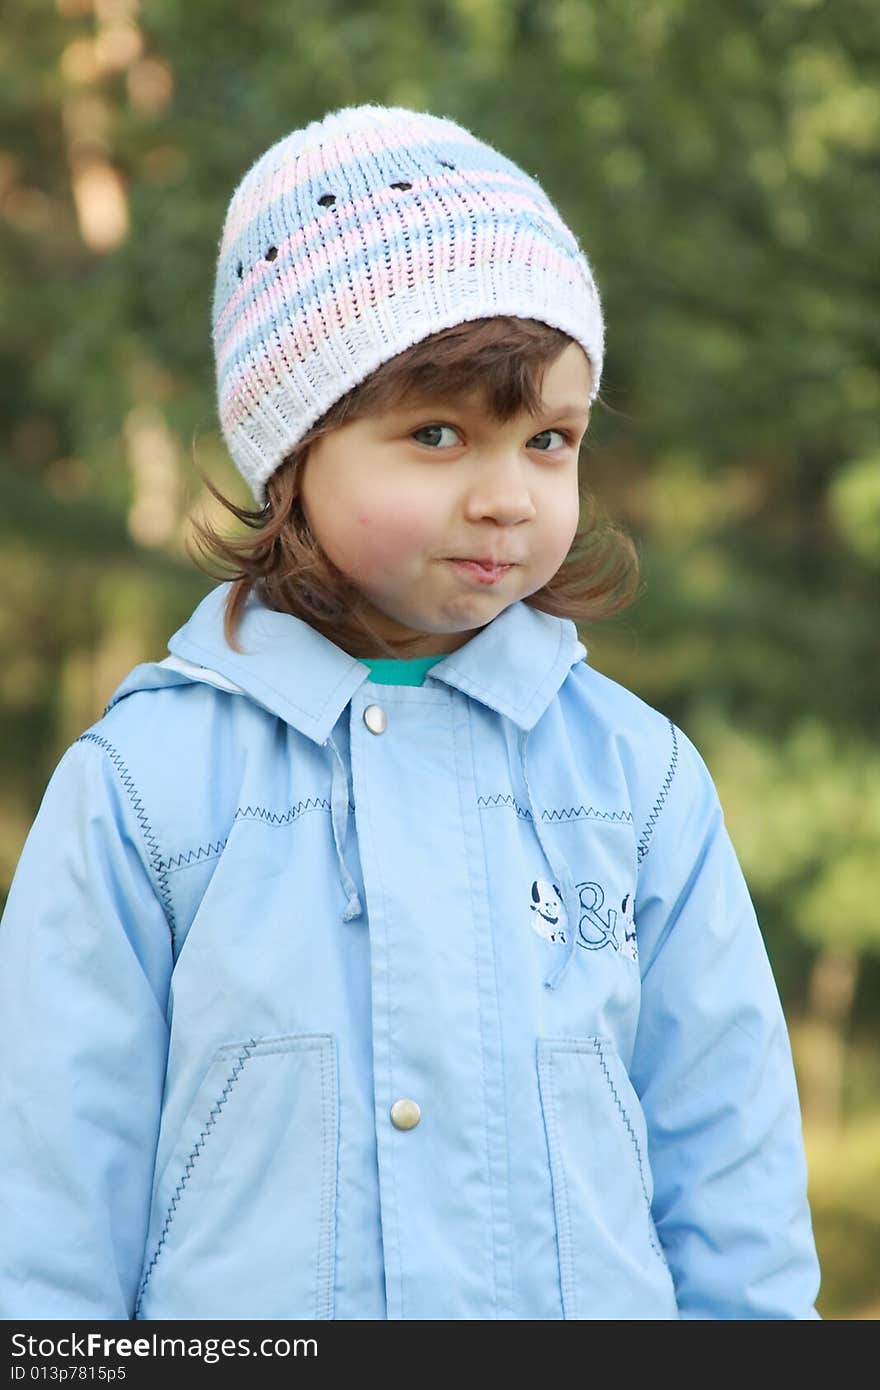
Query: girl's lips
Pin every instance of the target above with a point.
(472, 569)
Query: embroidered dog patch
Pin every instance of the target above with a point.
(549, 918)
(629, 945)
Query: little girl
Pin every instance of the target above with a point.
(373, 956)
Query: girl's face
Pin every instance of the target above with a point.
(395, 498)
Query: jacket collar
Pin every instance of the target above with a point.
(514, 665)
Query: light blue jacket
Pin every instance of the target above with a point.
(266, 899)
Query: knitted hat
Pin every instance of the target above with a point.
(357, 236)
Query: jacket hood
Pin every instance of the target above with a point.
(515, 665)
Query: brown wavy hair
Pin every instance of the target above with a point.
(282, 561)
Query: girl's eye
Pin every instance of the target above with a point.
(431, 429)
(566, 439)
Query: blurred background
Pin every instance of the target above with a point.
(719, 163)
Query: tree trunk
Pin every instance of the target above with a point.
(822, 1040)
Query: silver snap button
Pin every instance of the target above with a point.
(405, 1114)
(375, 719)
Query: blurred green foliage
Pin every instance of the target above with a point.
(719, 164)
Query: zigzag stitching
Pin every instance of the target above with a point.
(635, 1141)
(504, 800)
(664, 792)
(216, 847)
(143, 820)
(191, 856)
(190, 1162)
(275, 818)
(580, 811)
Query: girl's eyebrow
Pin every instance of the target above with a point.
(458, 407)
(570, 408)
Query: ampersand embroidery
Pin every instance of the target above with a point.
(615, 927)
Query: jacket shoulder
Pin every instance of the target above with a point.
(178, 754)
(184, 743)
(166, 733)
(663, 768)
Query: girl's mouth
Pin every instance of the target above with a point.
(482, 574)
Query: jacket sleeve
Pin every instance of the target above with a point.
(712, 1067)
(85, 961)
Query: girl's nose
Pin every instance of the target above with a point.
(500, 489)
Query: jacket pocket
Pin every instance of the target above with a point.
(611, 1263)
(243, 1219)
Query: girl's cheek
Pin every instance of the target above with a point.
(396, 527)
(369, 544)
